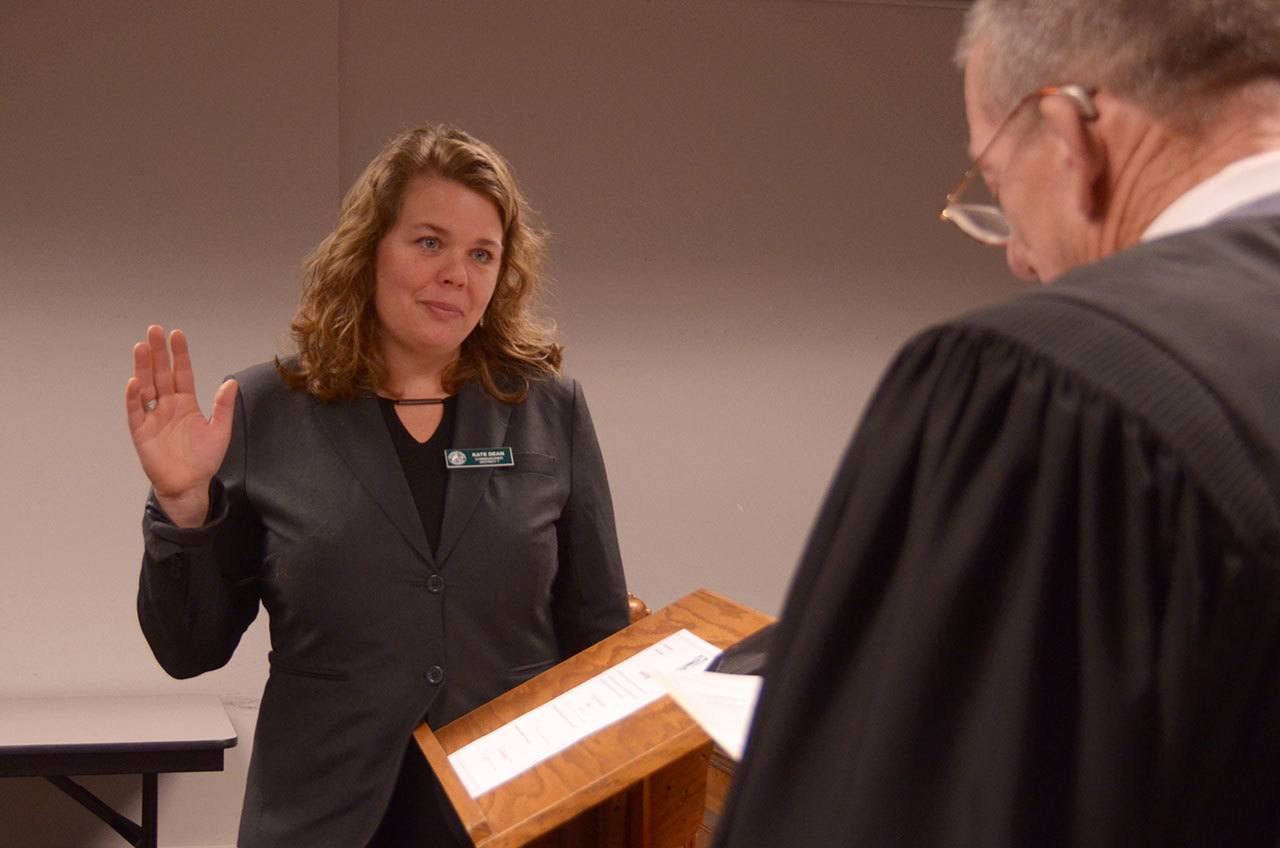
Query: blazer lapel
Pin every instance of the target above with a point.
(481, 423)
(359, 435)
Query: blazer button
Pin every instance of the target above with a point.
(435, 583)
(435, 674)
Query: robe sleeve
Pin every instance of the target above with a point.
(1014, 616)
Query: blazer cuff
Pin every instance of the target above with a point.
(163, 538)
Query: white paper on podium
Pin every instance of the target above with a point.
(613, 694)
(722, 704)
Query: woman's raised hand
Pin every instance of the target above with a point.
(179, 449)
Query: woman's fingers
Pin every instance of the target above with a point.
(184, 381)
(161, 372)
(157, 376)
(133, 408)
(142, 372)
(224, 407)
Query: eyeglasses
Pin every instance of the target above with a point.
(985, 222)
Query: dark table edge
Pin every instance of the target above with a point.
(151, 760)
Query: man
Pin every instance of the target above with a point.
(1041, 605)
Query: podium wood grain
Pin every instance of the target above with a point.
(639, 781)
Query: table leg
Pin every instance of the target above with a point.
(149, 812)
(120, 824)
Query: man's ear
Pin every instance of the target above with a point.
(1082, 157)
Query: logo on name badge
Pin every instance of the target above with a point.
(479, 458)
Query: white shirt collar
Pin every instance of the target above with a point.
(1241, 182)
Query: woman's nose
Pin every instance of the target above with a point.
(453, 270)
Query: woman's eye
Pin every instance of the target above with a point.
(482, 256)
(429, 242)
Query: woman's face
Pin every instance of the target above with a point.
(435, 270)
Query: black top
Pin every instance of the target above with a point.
(417, 813)
(423, 464)
(1041, 604)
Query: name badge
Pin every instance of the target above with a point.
(479, 458)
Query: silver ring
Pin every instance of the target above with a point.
(150, 405)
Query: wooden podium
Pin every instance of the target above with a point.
(638, 782)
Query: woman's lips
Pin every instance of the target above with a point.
(442, 310)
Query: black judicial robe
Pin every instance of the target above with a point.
(1041, 604)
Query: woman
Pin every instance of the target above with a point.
(417, 499)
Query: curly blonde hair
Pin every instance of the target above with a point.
(336, 327)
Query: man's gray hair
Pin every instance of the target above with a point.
(1163, 54)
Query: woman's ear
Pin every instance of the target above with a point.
(1082, 154)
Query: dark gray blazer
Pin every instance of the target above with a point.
(311, 516)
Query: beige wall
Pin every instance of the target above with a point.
(158, 162)
(744, 197)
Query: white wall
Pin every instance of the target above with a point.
(744, 197)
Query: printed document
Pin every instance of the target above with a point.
(613, 694)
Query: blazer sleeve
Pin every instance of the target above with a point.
(589, 597)
(197, 592)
